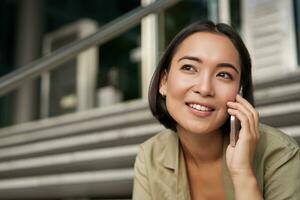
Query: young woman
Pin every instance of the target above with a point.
(193, 92)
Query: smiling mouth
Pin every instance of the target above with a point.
(199, 107)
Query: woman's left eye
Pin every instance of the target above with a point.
(187, 67)
(225, 75)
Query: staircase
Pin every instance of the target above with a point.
(89, 154)
(278, 102)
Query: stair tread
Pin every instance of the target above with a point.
(100, 183)
(75, 141)
(97, 113)
(60, 161)
(76, 129)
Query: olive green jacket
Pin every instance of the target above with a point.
(160, 172)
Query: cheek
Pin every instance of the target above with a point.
(178, 85)
(228, 93)
(231, 96)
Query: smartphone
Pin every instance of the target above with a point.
(234, 130)
(235, 126)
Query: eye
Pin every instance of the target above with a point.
(225, 75)
(189, 68)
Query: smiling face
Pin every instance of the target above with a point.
(204, 75)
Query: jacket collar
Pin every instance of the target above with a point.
(173, 159)
(171, 152)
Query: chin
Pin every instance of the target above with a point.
(203, 128)
(197, 129)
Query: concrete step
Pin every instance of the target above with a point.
(78, 128)
(115, 183)
(123, 108)
(277, 94)
(93, 140)
(281, 114)
(97, 159)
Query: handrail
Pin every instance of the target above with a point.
(104, 34)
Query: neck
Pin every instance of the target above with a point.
(202, 149)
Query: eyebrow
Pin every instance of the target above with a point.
(200, 61)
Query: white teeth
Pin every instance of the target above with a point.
(199, 107)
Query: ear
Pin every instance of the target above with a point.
(163, 84)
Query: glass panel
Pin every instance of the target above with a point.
(184, 13)
(63, 82)
(235, 14)
(118, 74)
(297, 26)
(7, 53)
(119, 77)
(189, 11)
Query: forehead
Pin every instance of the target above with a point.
(210, 45)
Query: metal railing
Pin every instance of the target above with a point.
(104, 34)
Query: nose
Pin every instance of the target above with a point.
(204, 86)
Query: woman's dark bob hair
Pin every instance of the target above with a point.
(157, 101)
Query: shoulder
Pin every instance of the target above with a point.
(275, 147)
(161, 138)
(276, 164)
(161, 145)
(276, 138)
(160, 150)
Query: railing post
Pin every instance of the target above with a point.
(224, 11)
(29, 31)
(149, 47)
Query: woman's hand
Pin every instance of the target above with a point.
(240, 158)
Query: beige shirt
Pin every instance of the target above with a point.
(160, 172)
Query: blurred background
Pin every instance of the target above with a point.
(74, 80)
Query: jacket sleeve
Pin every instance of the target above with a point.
(141, 186)
(282, 179)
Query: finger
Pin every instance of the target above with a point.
(244, 122)
(255, 114)
(247, 113)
